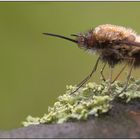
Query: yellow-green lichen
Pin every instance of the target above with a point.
(90, 100)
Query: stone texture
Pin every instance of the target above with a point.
(122, 121)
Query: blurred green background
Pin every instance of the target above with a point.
(35, 69)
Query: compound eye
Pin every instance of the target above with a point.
(82, 39)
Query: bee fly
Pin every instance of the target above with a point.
(114, 44)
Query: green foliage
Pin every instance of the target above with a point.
(91, 99)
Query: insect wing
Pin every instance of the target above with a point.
(130, 43)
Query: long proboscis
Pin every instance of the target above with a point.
(60, 36)
(130, 43)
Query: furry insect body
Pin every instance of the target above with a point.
(114, 44)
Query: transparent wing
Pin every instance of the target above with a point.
(129, 43)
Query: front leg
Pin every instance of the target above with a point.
(88, 77)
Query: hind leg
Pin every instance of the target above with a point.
(129, 75)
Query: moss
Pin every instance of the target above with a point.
(92, 99)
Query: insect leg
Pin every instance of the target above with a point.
(119, 73)
(88, 77)
(110, 78)
(101, 72)
(128, 77)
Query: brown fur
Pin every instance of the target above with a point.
(115, 44)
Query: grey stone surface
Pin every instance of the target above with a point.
(123, 121)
